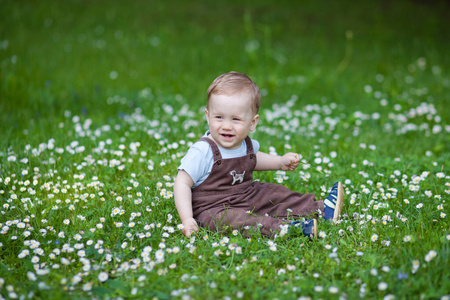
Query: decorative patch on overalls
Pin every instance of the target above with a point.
(237, 177)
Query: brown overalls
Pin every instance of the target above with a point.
(229, 199)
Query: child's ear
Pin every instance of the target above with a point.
(207, 115)
(254, 122)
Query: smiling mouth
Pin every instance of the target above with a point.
(227, 135)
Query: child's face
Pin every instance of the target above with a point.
(230, 119)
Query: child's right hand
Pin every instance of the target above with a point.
(189, 226)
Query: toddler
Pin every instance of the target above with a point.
(214, 187)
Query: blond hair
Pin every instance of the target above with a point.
(234, 82)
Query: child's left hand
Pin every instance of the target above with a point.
(290, 161)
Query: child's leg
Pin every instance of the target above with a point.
(278, 201)
(224, 220)
(235, 218)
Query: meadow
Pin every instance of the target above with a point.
(100, 100)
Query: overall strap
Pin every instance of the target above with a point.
(249, 143)
(214, 148)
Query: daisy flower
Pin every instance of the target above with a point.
(374, 237)
(432, 254)
(103, 276)
(382, 286)
(415, 266)
(333, 290)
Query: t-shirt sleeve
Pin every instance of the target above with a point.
(196, 162)
(255, 145)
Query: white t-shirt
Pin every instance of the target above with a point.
(199, 159)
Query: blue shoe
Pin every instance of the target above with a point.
(308, 227)
(334, 202)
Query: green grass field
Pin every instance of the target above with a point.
(99, 101)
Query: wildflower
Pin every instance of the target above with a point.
(415, 266)
(407, 238)
(442, 215)
(385, 243)
(31, 276)
(333, 290)
(322, 234)
(374, 237)
(76, 279)
(159, 254)
(103, 276)
(318, 288)
(420, 205)
(291, 267)
(66, 221)
(382, 286)
(432, 254)
(87, 286)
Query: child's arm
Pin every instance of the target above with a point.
(287, 162)
(183, 201)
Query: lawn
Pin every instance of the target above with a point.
(100, 100)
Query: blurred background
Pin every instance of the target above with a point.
(73, 55)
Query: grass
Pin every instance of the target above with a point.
(100, 101)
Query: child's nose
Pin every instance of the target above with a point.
(226, 125)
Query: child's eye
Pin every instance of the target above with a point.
(218, 117)
(236, 119)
